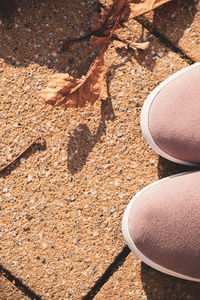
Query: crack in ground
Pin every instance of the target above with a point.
(146, 24)
(112, 268)
(17, 282)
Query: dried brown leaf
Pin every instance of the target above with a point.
(133, 45)
(119, 44)
(109, 25)
(67, 91)
(98, 41)
(97, 20)
(135, 9)
(105, 21)
(138, 45)
(101, 21)
(117, 9)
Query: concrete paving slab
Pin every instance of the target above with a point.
(8, 291)
(179, 21)
(61, 206)
(137, 281)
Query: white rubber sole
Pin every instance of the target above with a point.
(144, 118)
(132, 246)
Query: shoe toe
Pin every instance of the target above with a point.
(174, 117)
(162, 226)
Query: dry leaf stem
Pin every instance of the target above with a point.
(17, 157)
(68, 91)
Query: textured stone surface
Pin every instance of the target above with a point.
(139, 282)
(179, 22)
(8, 291)
(61, 207)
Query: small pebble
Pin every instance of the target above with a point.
(187, 30)
(93, 192)
(27, 88)
(116, 182)
(119, 134)
(29, 178)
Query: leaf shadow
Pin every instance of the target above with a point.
(36, 32)
(173, 18)
(114, 67)
(169, 20)
(163, 32)
(83, 141)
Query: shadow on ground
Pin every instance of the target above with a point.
(168, 168)
(159, 286)
(32, 32)
(170, 20)
(83, 141)
(40, 145)
(26, 40)
(174, 18)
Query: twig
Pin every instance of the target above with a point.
(18, 156)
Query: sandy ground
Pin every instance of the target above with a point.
(63, 201)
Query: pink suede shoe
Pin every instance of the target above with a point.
(161, 225)
(170, 117)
